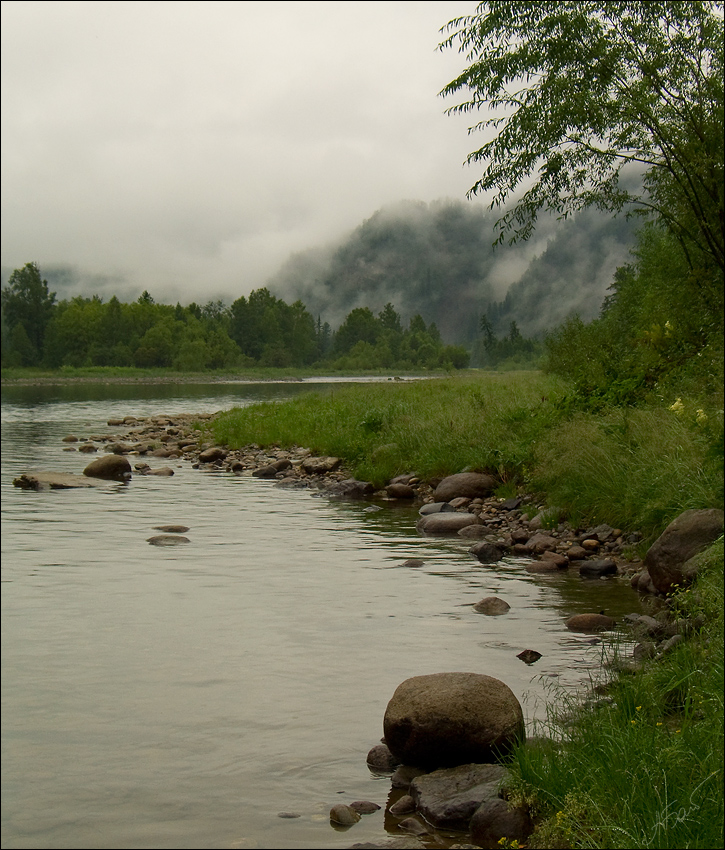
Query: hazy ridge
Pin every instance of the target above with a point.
(438, 260)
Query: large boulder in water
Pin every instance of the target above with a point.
(447, 719)
(685, 537)
(111, 466)
(472, 485)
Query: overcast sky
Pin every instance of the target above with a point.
(188, 148)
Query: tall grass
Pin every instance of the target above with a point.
(644, 769)
(633, 468)
(432, 427)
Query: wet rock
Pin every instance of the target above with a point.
(642, 583)
(448, 798)
(529, 656)
(495, 820)
(364, 807)
(268, 471)
(576, 553)
(667, 559)
(487, 553)
(212, 454)
(473, 531)
(541, 567)
(381, 760)
(492, 606)
(172, 529)
(590, 623)
(511, 504)
(167, 540)
(343, 815)
(445, 523)
(435, 508)
(470, 484)
(400, 491)
(404, 806)
(351, 488)
(413, 562)
(87, 448)
(404, 775)
(597, 569)
(119, 448)
(557, 558)
(53, 481)
(414, 826)
(291, 815)
(446, 719)
(540, 543)
(111, 467)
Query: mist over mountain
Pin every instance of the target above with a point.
(438, 260)
(68, 281)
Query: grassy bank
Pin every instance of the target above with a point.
(634, 468)
(645, 768)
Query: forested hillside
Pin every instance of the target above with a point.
(438, 260)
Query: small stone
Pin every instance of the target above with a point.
(404, 806)
(167, 540)
(492, 606)
(590, 623)
(529, 656)
(172, 529)
(289, 815)
(381, 759)
(413, 826)
(364, 807)
(343, 815)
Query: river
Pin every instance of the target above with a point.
(183, 697)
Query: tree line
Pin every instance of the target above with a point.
(257, 330)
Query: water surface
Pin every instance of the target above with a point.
(183, 697)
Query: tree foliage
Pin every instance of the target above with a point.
(258, 329)
(583, 93)
(28, 307)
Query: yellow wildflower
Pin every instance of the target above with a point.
(701, 417)
(678, 406)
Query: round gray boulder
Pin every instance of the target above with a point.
(446, 719)
(683, 538)
(111, 466)
(473, 485)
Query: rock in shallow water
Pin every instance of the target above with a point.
(168, 540)
(492, 606)
(343, 815)
(446, 719)
(590, 623)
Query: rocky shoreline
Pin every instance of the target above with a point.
(465, 798)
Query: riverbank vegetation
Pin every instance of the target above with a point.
(642, 766)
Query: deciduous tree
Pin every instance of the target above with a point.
(579, 91)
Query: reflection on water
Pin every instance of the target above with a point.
(182, 697)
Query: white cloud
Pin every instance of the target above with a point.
(190, 147)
